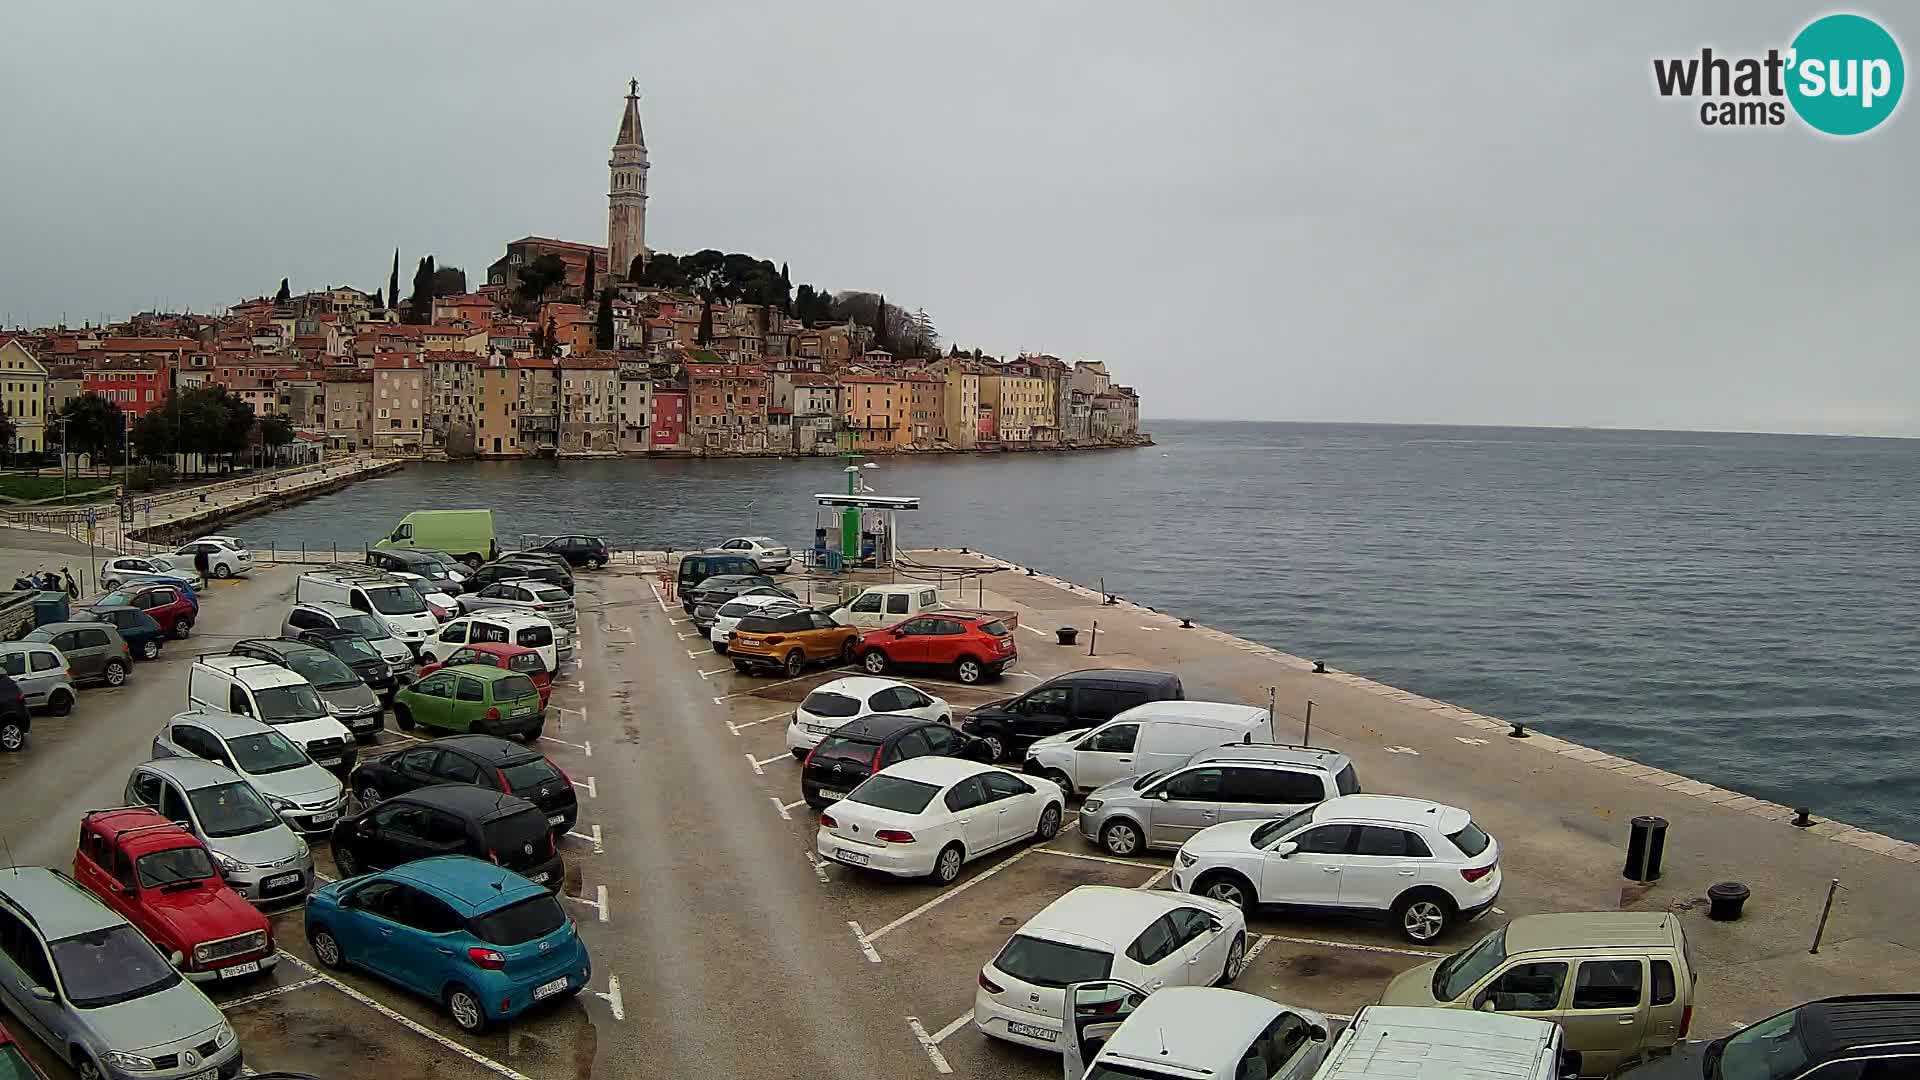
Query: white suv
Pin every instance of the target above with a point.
(1425, 863)
(226, 556)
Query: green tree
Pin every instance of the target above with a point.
(586, 288)
(275, 433)
(284, 294)
(95, 427)
(552, 338)
(447, 281)
(540, 275)
(393, 283)
(603, 322)
(7, 433)
(420, 304)
(155, 435)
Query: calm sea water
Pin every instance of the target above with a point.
(1738, 608)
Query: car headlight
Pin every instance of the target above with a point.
(224, 1037)
(228, 863)
(120, 1059)
(277, 803)
(1188, 860)
(300, 846)
(1091, 806)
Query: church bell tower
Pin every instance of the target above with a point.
(627, 190)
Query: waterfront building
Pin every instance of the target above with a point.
(1090, 377)
(817, 406)
(924, 408)
(399, 396)
(877, 412)
(453, 385)
(627, 189)
(667, 426)
(349, 405)
(136, 384)
(589, 404)
(1018, 403)
(539, 398)
(729, 407)
(24, 397)
(958, 423)
(636, 408)
(496, 430)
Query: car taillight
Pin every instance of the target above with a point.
(895, 836)
(493, 712)
(563, 775)
(1475, 873)
(989, 985)
(504, 785)
(876, 759)
(486, 958)
(807, 761)
(1686, 1020)
(827, 822)
(123, 649)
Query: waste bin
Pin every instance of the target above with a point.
(49, 607)
(1646, 844)
(1725, 900)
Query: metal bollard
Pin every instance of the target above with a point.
(1646, 846)
(1820, 931)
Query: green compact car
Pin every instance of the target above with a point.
(471, 698)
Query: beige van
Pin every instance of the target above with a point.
(1620, 983)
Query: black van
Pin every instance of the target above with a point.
(1078, 699)
(701, 565)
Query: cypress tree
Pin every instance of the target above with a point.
(284, 294)
(586, 291)
(603, 322)
(393, 282)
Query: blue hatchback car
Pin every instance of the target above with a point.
(483, 940)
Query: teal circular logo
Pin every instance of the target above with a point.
(1845, 74)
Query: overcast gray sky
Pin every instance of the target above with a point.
(1402, 212)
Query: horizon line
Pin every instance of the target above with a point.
(1145, 420)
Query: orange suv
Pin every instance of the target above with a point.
(789, 641)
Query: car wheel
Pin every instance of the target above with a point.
(1049, 823)
(402, 718)
(1120, 837)
(875, 662)
(115, 672)
(369, 796)
(13, 736)
(1236, 960)
(182, 628)
(1227, 888)
(59, 703)
(345, 861)
(599, 564)
(796, 663)
(84, 1065)
(946, 866)
(151, 650)
(740, 666)
(799, 754)
(222, 570)
(719, 647)
(326, 948)
(849, 652)
(968, 671)
(1422, 917)
(996, 747)
(464, 1004)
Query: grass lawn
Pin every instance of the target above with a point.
(28, 486)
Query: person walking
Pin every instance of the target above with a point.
(201, 565)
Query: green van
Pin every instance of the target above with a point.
(466, 535)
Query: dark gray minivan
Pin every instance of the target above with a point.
(1078, 699)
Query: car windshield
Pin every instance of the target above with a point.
(1273, 830)
(286, 704)
(396, 600)
(1457, 973)
(116, 599)
(1107, 1070)
(530, 774)
(365, 625)
(321, 668)
(823, 703)
(173, 866)
(1050, 963)
(514, 687)
(1470, 840)
(265, 752)
(232, 809)
(109, 966)
(894, 793)
(353, 649)
(441, 557)
(1769, 1050)
(517, 924)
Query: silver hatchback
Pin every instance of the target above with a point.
(41, 672)
(1236, 782)
(99, 994)
(257, 853)
(306, 796)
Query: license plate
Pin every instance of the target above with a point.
(555, 819)
(325, 819)
(1031, 1032)
(854, 857)
(524, 710)
(818, 730)
(208, 1074)
(538, 879)
(834, 796)
(325, 761)
(282, 879)
(251, 967)
(547, 990)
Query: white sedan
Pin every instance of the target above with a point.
(728, 617)
(835, 703)
(769, 554)
(1148, 938)
(226, 556)
(927, 816)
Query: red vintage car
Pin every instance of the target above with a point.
(499, 654)
(164, 881)
(973, 645)
(13, 1060)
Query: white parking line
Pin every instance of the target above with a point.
(599, 846)
(755, 763)
(417, 1028)
(930, 1045)
(612, 997)
(324, 877)
(715, 671)
(737, 728)
(1423, 954)
(1097, 858)
(404, 735)
(658, 595)
(585, 748)
(780, 807)
(695, 634)
(943, 898)
(1033, 629)
(793, 804)
(866, 943)
(788, 758)
(958, 1021)
(593, 791)
(1155, 879)
(1253, 950)
(819, 868)
(694, 654)
(762, 686)
(601, 903)
(275, 992)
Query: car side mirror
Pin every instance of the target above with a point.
(899, 633)
(1286, 849)
(1216, 925)
(41, 993)
(1163, 795)
(1571, 1063)
(1485, 1004)
(1317, 1033)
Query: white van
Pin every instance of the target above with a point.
(888, 605)
(1143, 739)
(375, 592)
(273, 695)
(1398, 1042)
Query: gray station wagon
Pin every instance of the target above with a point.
(97, 992)
(95, 651)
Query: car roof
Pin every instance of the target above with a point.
(1393, 810)
(474, 885)
(110, 607)
(328, 607)
(504, 615)
(489, 748)
(937, 769)
(1191, 1027)
(1311, 757)
(485, 672)
(191, 773)
(530, 582)
(24, 646)
(877, 727)
(1104, 913)
(62, 627)
(464, 799)
(1835, 1024)
(281, 646)
(139, 830)
(862, 686)
(765, 600)
(256, 673)
(1121, 676)
(498, 648)
(225, 724)
(59, 907)
(1592, 929)
(1412, 1043)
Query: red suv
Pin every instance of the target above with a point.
(170, 605)
(164, 881)
(971, 644)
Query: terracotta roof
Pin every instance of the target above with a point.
(140, 344)
(567, 245)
